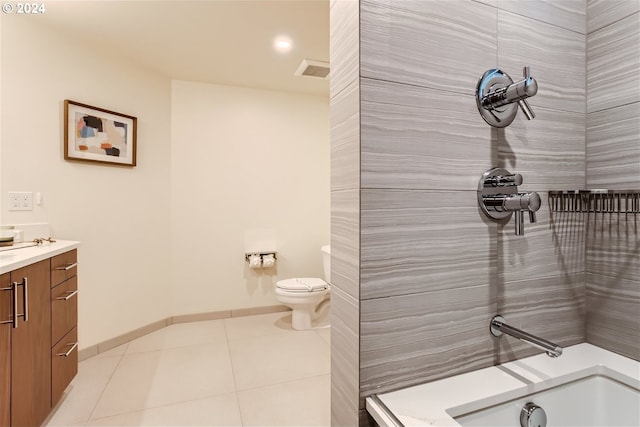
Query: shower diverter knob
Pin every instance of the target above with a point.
(533, 416)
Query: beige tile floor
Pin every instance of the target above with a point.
(244, 371)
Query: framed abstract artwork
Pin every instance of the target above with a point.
(94, 134)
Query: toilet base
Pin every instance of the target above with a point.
(314, 316)
(301, 318)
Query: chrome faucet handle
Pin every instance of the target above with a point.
(521, 202)
(504, 180)
(519, 221)
(528, 202)
(525, 88)
(497, 95)
(526, 109)
(530, 84)
(531, 88)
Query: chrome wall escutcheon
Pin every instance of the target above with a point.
(498, 97)
(498, 197)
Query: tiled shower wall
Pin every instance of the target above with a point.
(418, 269)
(433, 268)
(613, 161)
(345, 212)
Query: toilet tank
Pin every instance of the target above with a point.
(326, 262)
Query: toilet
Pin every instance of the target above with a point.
(305, 295)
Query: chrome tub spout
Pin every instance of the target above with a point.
(498, 327)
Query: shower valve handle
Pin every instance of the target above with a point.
(499, 198)
(503, 180)
(528, 202)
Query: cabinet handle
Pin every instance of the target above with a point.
(73, 347)
(70, 294)
(14, 285)
(14, 305)
(68, 267)
(25, 298)
(25, 301)
(14, 302)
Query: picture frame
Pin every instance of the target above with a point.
(93, 134)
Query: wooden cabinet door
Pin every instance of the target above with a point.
(31, 348)
(64, 362)
(64, 309)
(63, 267)
(5, 351)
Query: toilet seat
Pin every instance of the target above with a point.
(302, 285)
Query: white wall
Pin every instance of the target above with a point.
(215, 164)
(120, 214)
(245, 164)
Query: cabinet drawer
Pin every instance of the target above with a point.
(64, 308)
(64, 364)
(64, 266)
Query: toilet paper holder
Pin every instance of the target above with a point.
(260, 254)
(260, 259)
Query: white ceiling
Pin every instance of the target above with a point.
(213, 41)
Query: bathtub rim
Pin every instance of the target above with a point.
(408, 404)
(552, 383)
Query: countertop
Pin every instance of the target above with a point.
(21, 254)
(429, 404)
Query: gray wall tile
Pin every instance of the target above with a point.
(547, 249)
(556, 57)
(604, 12)
(612, 314)
(410, 339)
(409, 140)
(613, 148)
(345, 215)
(437, 44)
(344, 44)
(568, 14)
(345, 353)
(613, 246)
(613, 68)
(345, 138)
(613, 161)
(411, 239)
(547, 151)
(345, 241)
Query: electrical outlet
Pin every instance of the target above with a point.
(20, 201)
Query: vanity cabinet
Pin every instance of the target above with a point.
(38, 338)
(30, 344)
(64, 319)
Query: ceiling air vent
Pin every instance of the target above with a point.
(311, 68)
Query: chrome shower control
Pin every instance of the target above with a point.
(498, 198)
(503, 180)
(497, 96)
(533, 416)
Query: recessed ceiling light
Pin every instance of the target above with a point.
(282, 44)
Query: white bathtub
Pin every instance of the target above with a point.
(594, 397)
(586, 386)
